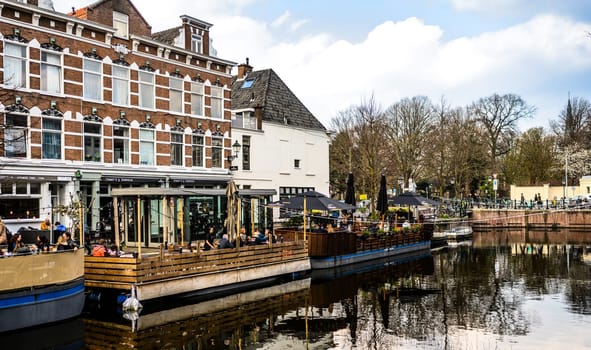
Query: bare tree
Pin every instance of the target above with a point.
(574, 123)
(409, 123)
(362, 147)
(498, 115)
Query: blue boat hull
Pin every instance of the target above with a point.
(40, 305)
(367, 255)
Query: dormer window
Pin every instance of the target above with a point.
(247, 83)
(196, 43)
(121, 24)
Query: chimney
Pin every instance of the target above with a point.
(244, 69)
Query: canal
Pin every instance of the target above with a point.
(498, 291)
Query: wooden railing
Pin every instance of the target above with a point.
(110, 271)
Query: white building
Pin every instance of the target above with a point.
(282, 145)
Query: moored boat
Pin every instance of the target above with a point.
(340, 248)
(458, 233)
(41, 288)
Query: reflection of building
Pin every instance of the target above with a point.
(284, 147)
(95, 93)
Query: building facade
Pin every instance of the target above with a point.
(283, 146)
(93, 100)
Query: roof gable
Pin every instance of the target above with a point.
(279, 104)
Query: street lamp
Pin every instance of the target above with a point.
(235, 149)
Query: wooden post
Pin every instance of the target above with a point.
(116, 221)
(181, 220)
(252, 215)
(81, 221)
(139, 230)
(304, 218)
(238, 205)
(165, 219)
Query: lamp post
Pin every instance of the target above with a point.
(235, 150)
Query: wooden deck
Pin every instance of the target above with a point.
(157, 275)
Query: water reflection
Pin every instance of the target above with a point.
(502, 290)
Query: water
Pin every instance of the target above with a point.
(494, 293)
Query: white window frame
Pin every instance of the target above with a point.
(217, 152)
(56, 134)
(54, 83)
(198, 151)
(12, 134)
(175, 93)
(18, 62)
(147, 144)
(196, 98)
(177, 146)
(147, 87)
(93, 137)
(197, 43)
(121, 24)
(217, 103)
(120, 82)
(92, 78)
(125, 139)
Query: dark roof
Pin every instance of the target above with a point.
(277, 101)
(167, 36)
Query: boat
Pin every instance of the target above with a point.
(458, 233)
(439, 240)
(39, 289)
(340, 248)
(152, 276)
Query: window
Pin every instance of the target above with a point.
(196, 43)
(120, 144)
(51, 72)
(51, 138)
(245, 120)
(175, 94)
(147, 147)
(176, 148)
(92, 142)
(15, 136)
(296, 163)
(247, 83)
(93, 81)
(216, 103)
(197, 151)
(216, 152)
(15, 65)
(146, 89)
(196, 99)
(121, 24)
(245, 152)
(120, 85)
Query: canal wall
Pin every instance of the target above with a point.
(489, 219)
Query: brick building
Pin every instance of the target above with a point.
(93, 100)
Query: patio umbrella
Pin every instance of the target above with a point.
(233, 201)
(314, 201)
(382, 205)
(413, 199)
(350, 193)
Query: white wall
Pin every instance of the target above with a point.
(273, 151)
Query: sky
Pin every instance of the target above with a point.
(334, 54)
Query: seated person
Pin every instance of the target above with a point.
(224, 242)
(16, 242)
(99, 249)
(259, 237)
(42, 244)
(270, 235)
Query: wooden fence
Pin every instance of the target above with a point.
(119, 273)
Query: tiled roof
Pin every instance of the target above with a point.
(279, 104)
(167, 36)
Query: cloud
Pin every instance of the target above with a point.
(488, 6)
(281, 20)
(540, 59)
(297, 24)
